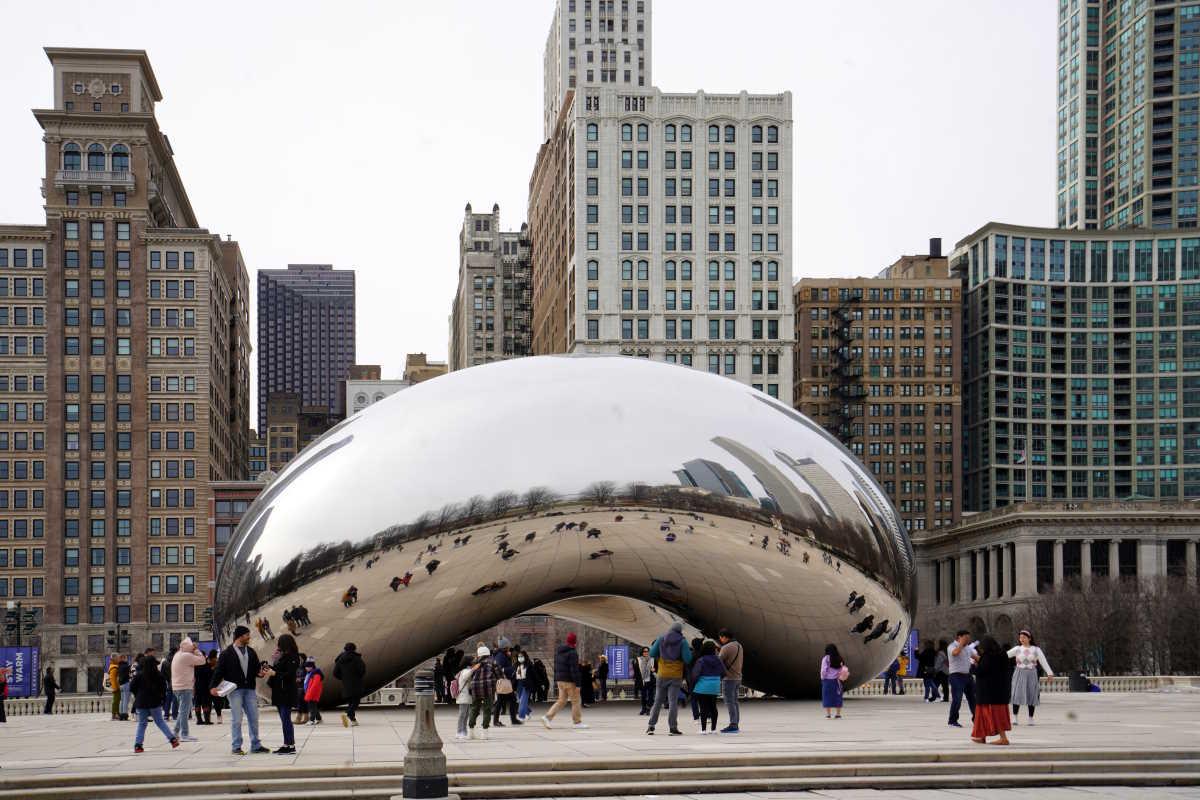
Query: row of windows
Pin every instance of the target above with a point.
(22, 587)
(682, 187)
(22, 345)
(22, 528)
(96, 198)
(97, 157)
(684, 133)
(22, 470)
(23, 499)
(96, 259)
(684, 327)
(96, 288)
(21, 557)
(23, 412)
(20, 316)
(95, 585)
(96, 229)
(683, 270)
(683, 158)
(683, 215)
(22, 440)
(683, 242)
(22, 287)
(22, 257)
(21, 383)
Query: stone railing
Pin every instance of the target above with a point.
(1107, 683)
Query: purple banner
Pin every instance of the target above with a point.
(618, 661)
(21, 664)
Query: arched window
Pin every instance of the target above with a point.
(120, 158)
(756, 271)
(643, 132)
(729, 133)
(669, 133)
(627, 270)
(714, 133)
(772, 134)
(95, 158)
(685, 270)
(643, 271)
(669, 269)
(772, 270)
(714, 271)
(626, 132)
(72, 159)
(378, 396)
(593, 271)
(593, 132)
(685, 133)
(756, 134)
(730, 271)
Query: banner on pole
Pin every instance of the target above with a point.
(22, 666)
(618, 661)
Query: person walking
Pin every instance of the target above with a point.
(202, 679)
(731, 656)
(567, 676)
(3, 692)
(281, 677)
(890, 680)
(114, 686)
(170, 701)
(925, 661)
(314, 680)
(706, 677)
(460, 689)
(523, 677)
(587, 687)
(1025, 688)
(183, 683)
(483, 689)
(994, 692)
(350, 669)
(673, 655)
(643, 679)
(941, 670)
(439, 681)
(834, 672)
(50, 687)
(123, 676)
(149, 690)
(543, 681)
(239, 664)
(961, 655)
(602, 678)
(506, 698)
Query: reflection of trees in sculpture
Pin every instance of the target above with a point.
(601, 493)
(538, 497)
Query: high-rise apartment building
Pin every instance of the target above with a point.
(493, 306)
(661, 228)
(594, 43)
(877, 364)
(1082, 365)
(305, 334)
(120, 384)
(256, 455)
(1128, 110)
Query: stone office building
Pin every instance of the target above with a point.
(123, 376)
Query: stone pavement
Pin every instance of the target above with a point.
(1142, 721)
(1036, 793)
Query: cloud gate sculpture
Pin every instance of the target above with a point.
(602, 489)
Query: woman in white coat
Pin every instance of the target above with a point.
(1025, 689)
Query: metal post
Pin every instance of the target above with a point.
(425, 763)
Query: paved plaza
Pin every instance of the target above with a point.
(1149, 721)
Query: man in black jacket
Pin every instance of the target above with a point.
(566, 674)
(349, 668)
(239, 665)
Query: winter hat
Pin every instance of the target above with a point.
(677, 627)
(483, 651)
(504, 643)
(572, 639)
(239, 631)
(310, 663)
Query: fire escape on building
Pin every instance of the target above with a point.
(847, 369)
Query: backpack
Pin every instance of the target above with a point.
(454, 688)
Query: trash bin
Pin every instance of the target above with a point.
(1077, 681)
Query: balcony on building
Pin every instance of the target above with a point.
(85, 180)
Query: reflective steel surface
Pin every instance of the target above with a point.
(503, 488)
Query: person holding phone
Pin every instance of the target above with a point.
(281, 677)
(239, 664)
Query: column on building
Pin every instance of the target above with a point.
(977, 555)
(1191, 561)
(1058, 563)
(1026, 569)
(1010, 555)
(964, 577)
(993, 572)
(947, 565)
(1085, 564)
(1114, 559)
(1152, 553)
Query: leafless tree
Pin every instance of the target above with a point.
(601, 493)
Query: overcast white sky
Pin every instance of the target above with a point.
(354, 133)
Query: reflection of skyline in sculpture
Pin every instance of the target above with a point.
(710, 475)
(606, 487)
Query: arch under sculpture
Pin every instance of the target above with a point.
(604, 489)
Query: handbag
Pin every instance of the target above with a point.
(504, 686)
(843, 673)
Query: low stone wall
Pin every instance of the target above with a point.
(1107, 683)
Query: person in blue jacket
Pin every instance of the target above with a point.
(706, 677)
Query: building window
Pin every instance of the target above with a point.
(96, 158)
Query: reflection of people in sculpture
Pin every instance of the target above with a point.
(880, 629)
(432, 565)
(859, 602)
(864, 625)
(853, 597)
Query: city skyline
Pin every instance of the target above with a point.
(406, 302)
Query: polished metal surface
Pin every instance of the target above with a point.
(519, 484)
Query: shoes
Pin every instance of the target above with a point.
(676, 732)
(353, 723)
(174, 743)
(954, 724)
(730, 729)
(239, 752)
(516, 722)
(460, 736)
(188, 739)
(581, 725)
(287, 749)
(137, 748)
(497, 723)
(261, 749)
(473, 734)
(483, 734)
(345, 721)
(1030, 723)
(649, 731)
(546, 723)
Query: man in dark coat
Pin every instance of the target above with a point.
(566, 674)
(149, 689)
(239, 664)
(350, 669)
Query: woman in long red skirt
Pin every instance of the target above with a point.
(993, 689)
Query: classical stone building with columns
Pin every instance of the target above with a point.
(989, 567)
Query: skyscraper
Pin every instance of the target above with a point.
(493, 306)
(594, 43)
(122, 378)
(1128, 110)
(305, 334)
(661, 225)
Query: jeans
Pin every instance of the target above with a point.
(523, 702)
(244, 702)
(483, 704)
(731, 701)
(464, 711)
(144, 715)
(668, 689)
(567, 692)
(891, 682)
(961, 683)
(184, 696)
(289, 731)
(126, 697)
(647, 693)
(931, 692)
(170, 705)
